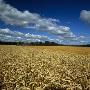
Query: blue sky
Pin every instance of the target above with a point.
(62, 21)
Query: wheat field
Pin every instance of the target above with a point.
(44, 68)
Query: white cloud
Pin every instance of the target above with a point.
(13, 16)
(8, 35)
(11, 33)
(85, 16)
(32, 36)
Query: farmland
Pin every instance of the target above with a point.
(44, 68)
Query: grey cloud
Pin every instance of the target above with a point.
(85, 16)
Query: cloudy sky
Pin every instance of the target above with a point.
(61, 21)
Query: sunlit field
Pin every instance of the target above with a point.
(44, 68)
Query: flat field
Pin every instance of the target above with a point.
(44, 68)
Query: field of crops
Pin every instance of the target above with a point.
(44, 68)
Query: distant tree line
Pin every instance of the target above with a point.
(8, 43)
(46, 43)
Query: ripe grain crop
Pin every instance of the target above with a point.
(44, 68)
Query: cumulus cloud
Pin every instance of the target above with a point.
(13, 16)
(85, 16)
(11, 33)
(8, 35)
(12, 36)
